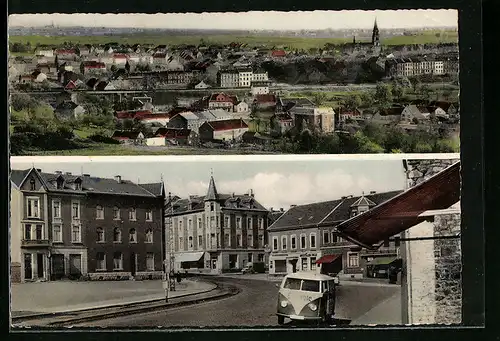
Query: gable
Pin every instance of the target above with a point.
(29, 179)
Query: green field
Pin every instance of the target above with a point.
(427, 37)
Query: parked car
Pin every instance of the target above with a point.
(255, 267)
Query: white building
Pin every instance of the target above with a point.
(259, 88)
(245, 78)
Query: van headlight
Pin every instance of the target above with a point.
(284, 304)
(312, 306)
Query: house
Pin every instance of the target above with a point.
(214, 115)
(306, 235)
(278, 53)
(164, 136)
(260, 76)
(447, 107)
(314, 118)
(160, 58)
(128, 137)
(50, 69)
(132, 114)
(259, 88)
(202, 85)
(428, 223)
(282, 123)
(388, 116)
(90, 67)
(174, 64)
(228, 79)
(44, 52)
(264, 102)
(217, 232)
(346, 114)
(68, 110)
(221, 101)
(245, 77)
(156, 119)
(66, 54)
(38, 76)
(74, 226)
(241, 107)
(285, 104)
(225, 130)
(414, 113)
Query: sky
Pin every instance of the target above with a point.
(276, 183)
(269, 20)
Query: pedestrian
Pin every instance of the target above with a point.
(178, 276)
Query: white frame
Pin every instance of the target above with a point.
(153, 261)
(116, 210)
(275, 242)
(311, 235)
(284, 244)
(261, 223)
(191, 247)
(79, 215)
(305, 241)
(60, 240)
(149, 234)
(56, 201)
(250, 238)
(328, 234)
(79, 240)
(227, 218)
(200, 242)
(132, 214)
(120, 259)
(149, 213)
(132, 234)
(181, 243)
(259, 238)
(32, 207)
(228, 239)
(103, 235)
(349, 254)
(117, 229)
(99, 213)
(239, 225)
(292, 237)
(104, 268)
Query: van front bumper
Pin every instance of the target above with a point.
(300, 317)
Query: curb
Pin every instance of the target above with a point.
(119, 305)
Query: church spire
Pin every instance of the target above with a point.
(212, 190)
(375, 34)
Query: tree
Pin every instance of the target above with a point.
(367, 98)
(416, 84)
(22, 101)
(398, 91)
(319, 98)
(113, 68)
(352, 101)
(383, 95)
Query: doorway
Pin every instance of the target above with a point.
(28, 270)
(39, 265)
(57, 266)
(293, 262)
(132, 263)
(75, 262)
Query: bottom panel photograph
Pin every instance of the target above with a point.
(312, 242)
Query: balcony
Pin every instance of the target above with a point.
(35, 243)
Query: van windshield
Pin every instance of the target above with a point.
(300, 284)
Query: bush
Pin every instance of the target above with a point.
(103, 139)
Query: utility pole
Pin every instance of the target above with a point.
(169, 280)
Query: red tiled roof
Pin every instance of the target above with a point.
(278, 53)
(227, 124)
(173, 133)
(92, 64)
(268, 98)
(224, 98)
(120, 56)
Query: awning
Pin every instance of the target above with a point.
(404, 210)
(327, 259)
(189, 256)
(381, 261)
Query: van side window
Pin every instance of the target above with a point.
(324, 286)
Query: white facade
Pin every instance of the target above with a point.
(259, 90)
(46, 53)
(40, 78)
(245, 78)
(120, 60)
(229, 134)
(241, 107)
(260, 76)
(156, 141)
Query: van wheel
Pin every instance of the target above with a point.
(281, 320)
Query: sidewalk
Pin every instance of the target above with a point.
(388, 312)
(65, 296)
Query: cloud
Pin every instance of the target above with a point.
(278, 190)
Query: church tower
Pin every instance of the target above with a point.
(375, 35)
(212, 215)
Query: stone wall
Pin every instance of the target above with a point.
(444, 265)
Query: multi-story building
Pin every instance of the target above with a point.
(228, 79)
(305, 236)
(217, 232)
(416, 66)
(314, 118)
(245, 77)
(65, 225)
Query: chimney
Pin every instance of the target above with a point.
(232, 195)
(118, 179)
(373, 192)
(68, 173)
(251, 193)
(271, 209)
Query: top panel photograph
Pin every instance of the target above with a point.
(319, 82)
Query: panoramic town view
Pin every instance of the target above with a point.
(235, 243)
(376, 82)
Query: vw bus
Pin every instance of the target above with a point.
(306, 296)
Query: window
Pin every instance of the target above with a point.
(132, 236)
(275, 243)
(101, 261)
(303, 264)
(75, 210)
(27, 232)
(117, 261)
(190, 240)
(227, 241)
(226, 221)
(116, 213)
(283, 242)
(260, 257)
(39, 232)
(99, 212)
(150, 261)
(117, 235)
(261, 223)
(199, 223)
(312, 240)
(78, 185)
(212, 206)
(200, 241)
(100, 235)
(313, 263)
(132, 214)
(249, 223)
(149, 236)
(33, 208)
(302, 241)
(335, 238)
(353, 260)
(218, 239)
(326, 236)
(180, 226)
(76, 234)
(238, 222)
(238, 240)
(190, 226)
(32, 185)
(57, 233)
(181, 243)
(56, 209)
(250, 240)
(261, 240)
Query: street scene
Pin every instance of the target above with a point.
(136, 84)
(235, 243)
